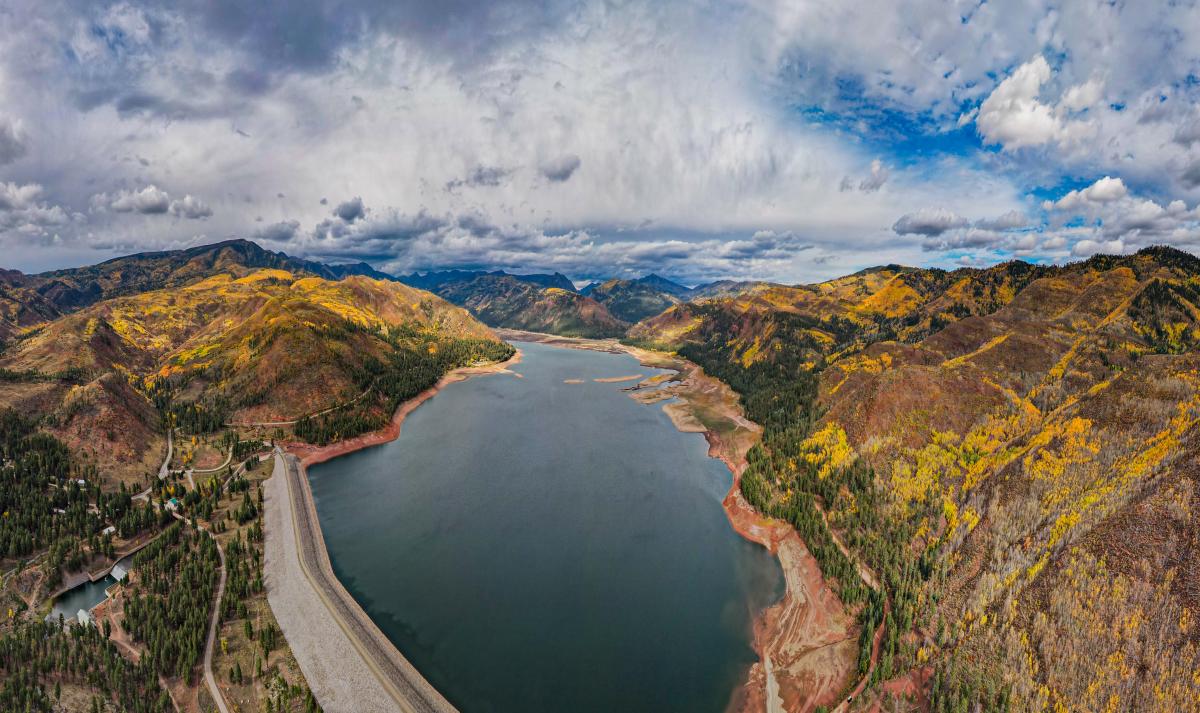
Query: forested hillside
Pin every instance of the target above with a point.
(210, 344)
(1011, 450)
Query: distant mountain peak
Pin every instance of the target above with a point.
(663, 284)
(434, 279)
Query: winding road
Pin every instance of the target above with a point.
(873, 582)
(213, 624)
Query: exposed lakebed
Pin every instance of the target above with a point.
(547, 543)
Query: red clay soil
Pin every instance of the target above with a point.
(911, 686)
(807, 642)
(310, 454)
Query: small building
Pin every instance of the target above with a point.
(119, 573)
(173, 504)
(110, 530)
(82, 483)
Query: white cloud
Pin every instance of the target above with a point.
(1014, 117)
(1087, 248)
(879, 176)
(23, 212)
(15, 196)
(652, 124)
(1012, 220)
(151, 200)
(147, 201)
(190, 207)
(1105, 190)
(1083, 96)
(651, 121)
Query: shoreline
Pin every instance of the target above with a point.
(313, 608)
(313, 455)
(805, 641)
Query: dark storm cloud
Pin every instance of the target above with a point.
(561, 168)
(1191, 175)
(280, 232)
(929, 222)
(307, 35)
(351, 210)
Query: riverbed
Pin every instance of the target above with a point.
(547, 543)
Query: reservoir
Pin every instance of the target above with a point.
(86, 595)
(531, 544)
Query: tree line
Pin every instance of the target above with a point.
(168, 605)
(414, 363)
(780, 393)
(44, 507)
(37, 658)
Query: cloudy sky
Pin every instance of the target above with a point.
(791, 140)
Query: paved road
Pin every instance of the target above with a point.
(212, 637)
(214, 620)
(163, 469)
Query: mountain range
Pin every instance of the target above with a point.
(994, 468)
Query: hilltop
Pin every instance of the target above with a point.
(27, 300)
(634, 300)
(437, 280)
(217, 339)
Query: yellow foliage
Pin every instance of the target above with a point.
(264, 274)
(1038, 566)
(749, 355)
(828, 450)
(990, 344)
(950, 510)
(1060, 368)
(970, 518)
(895, 299)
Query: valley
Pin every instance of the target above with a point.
(600, 357)
(931, 476)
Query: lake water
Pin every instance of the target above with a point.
(534, 545)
